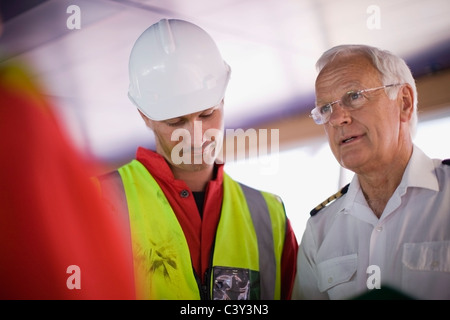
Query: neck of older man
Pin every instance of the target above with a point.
(379, 185)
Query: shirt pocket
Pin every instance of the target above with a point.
(335, 271)
(427, 256)
(426, 269)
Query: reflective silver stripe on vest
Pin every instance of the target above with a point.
(263, 228)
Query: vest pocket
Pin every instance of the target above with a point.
(335, 271)
(235, 284)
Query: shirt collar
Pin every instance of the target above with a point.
(419, 172)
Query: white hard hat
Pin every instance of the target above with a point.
(176, 69)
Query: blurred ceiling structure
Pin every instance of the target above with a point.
(271, 46)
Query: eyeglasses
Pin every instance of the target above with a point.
(351, 99)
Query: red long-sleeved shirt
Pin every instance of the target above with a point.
(200, 231)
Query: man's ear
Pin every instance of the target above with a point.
(406, 98)
(147, 121)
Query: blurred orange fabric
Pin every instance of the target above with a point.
(51, 215)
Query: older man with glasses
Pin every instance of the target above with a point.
(390, 227)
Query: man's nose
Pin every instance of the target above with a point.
(196, 132)
(340, 115)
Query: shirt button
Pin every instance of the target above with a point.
(379, 229)
(184, 193)
(330, 279)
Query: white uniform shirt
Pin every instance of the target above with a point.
(408, 248)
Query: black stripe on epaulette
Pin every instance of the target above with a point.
(335, 196)
(446, 161)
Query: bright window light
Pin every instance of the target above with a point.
(305, 176)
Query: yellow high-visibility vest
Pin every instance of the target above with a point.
(246, 258)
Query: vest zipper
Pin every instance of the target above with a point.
(205, 292)
(202, 288)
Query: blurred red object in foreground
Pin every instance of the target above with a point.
(57, 241)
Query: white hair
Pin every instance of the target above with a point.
(392, 69)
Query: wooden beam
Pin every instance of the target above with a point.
(433, 95)
(433, 92)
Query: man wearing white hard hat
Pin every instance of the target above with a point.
(195, 232)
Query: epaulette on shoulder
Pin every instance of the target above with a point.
(335, 196)
(446, 161)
